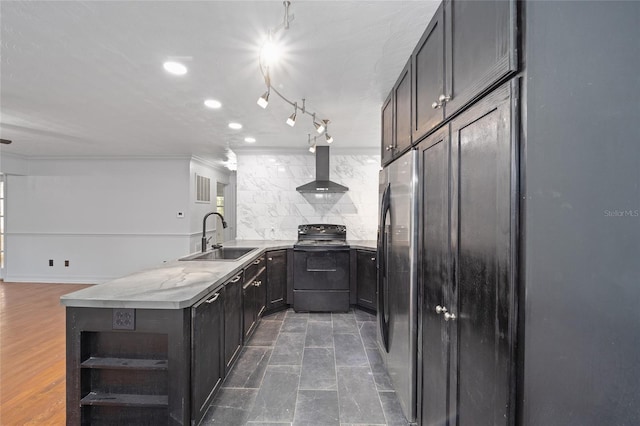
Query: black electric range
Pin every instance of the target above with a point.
(321, 269)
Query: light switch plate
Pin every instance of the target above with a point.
(180, 215)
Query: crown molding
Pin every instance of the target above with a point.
(335, 150)
(211, 164)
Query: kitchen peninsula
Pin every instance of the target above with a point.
(155, 346)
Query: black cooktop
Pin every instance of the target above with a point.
(322, 235)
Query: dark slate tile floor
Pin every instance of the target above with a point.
(309, 369)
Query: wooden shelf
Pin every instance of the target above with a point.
(125, 400)
(125, 363)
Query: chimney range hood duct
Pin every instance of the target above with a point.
(322, 184)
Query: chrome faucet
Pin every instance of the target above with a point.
(204, 229)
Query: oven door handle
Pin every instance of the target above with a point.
(383, 305)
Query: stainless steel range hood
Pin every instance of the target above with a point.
(322, 184)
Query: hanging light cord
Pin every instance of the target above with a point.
(264, 70)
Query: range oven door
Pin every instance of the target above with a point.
(321, 279)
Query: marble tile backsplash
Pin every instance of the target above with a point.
(269, 207)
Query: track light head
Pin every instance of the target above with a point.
(312, 148)
(328, 137)
(291, 121)
(263, 100)
(319, 126)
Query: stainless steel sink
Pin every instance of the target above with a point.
(221, 254)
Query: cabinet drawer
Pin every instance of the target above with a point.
(254, 268)
(321, 300)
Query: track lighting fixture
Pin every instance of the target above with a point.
(319, 126)
(312, 147)
(264, 63)
(291, 121)
(328, 137)
(263, 100)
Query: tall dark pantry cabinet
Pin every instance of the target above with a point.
(467, 266)
(529, 208)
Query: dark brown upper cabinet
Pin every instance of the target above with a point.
(428, 78)
(467, 49)
(396, 117)
(388, 140)
(480, 49)
(402, 106)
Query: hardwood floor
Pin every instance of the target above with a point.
(32, 353)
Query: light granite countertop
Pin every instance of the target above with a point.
(176, 284)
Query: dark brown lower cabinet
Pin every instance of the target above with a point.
(366, 278)
(254, 298)
(128, 366)
(207, 352)
(232, 320)
(468, 266)
(276, 280)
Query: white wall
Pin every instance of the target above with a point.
(269, 207)
(108, 217)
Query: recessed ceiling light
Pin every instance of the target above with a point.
(212, 103)
(175, 68)
(235, 126)
(249, 139)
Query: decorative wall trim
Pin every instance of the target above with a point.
(107, 157)
(91, 235)
(49, 279)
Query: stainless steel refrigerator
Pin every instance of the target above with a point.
(398, 277)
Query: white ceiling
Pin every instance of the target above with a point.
(86, 78)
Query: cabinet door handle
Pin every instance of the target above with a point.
(448, 316)
(236, 279)
(442, 99)
(257, 283)
(440, 309)
(373, 258)
(270, 259)
(213, 299)
(257, 262)
(389, 148)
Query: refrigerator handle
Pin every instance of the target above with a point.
(383, 314)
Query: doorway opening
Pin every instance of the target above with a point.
(220, 209)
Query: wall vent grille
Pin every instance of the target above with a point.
(203, 189)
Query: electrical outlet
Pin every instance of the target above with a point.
(50, 262)
(124, 319)
(180, 215)
(66, 263)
